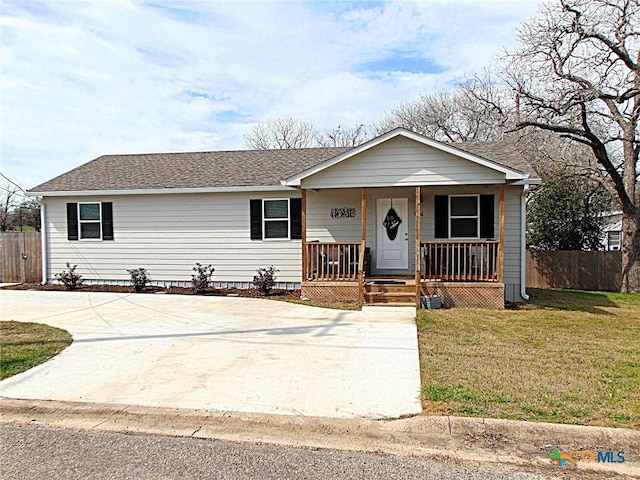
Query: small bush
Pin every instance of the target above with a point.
(70, 279)
(265, 280)
(201, 280)
(139, 278)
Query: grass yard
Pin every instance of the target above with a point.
(564, 357)
(25, 345)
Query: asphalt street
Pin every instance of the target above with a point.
(29, 452)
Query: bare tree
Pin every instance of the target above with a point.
(10, 196)
(283, 133)
(288, 132)
(343, 136)
(577, 75)
(477, 110)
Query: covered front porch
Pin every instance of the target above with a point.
(385, 251)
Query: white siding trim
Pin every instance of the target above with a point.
(159, 191)
(43, 236)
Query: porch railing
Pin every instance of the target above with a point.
(473, 261)
(339, 261)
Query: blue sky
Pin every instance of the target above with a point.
(80, 79)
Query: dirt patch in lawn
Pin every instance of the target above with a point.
(292, 296)
(222, 292)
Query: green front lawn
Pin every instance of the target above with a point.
(25, 345)
(565, 357)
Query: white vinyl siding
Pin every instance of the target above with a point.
(511, 241)
(403, 162)
(322, 227)
(168, 234)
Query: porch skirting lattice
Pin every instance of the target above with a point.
(344, 292)
(465, 294)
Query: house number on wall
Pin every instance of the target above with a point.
(343, 213)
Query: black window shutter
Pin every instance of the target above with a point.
(72, 221)
(107, 221)
(295, 213)
(486, 216)
(255, 208)
(441, 216)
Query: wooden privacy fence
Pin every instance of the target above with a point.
(599, 271)
(20, 257)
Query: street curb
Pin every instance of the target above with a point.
(466, 439)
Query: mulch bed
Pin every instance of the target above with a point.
(221, 292)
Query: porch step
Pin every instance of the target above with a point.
(390, 298)
(410, 289)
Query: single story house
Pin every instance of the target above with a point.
(394, 219)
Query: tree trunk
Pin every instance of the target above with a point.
(630, 254)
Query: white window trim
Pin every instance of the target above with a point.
(265, 220)
(99, 222)
(477, 217)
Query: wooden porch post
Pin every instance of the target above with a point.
(501, 237)
(303, 221)
(417, 252)
(363, 208)
(363, 241)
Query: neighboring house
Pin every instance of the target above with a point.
(395, 218)
(612, 238)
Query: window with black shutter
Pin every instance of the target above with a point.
(276, 219)
(441, 217)
(72, 221)
(295, 209)
(90, 221)
(464, 216)
(486, 216)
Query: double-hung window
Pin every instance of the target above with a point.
(275, 218)
(89, 219)
(614, 240)
(464, 216)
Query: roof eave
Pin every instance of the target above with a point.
(157, 191)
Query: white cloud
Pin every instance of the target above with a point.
(80, 79)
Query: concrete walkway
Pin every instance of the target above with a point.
(219, 353)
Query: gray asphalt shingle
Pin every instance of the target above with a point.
(240, 168)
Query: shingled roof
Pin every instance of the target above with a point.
(239, 168)
(503, 152)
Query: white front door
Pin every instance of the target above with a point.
(392, 234)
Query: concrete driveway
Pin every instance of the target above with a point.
(221, 353)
